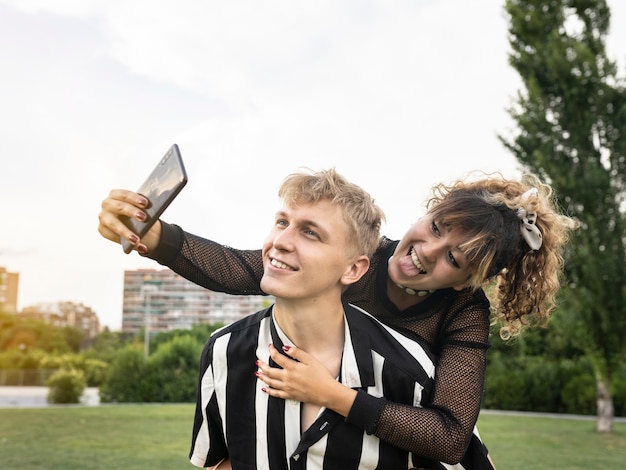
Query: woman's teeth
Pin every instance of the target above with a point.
(416, 261)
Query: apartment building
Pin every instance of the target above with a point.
(9, 283)
(63, 314)
(161, 300)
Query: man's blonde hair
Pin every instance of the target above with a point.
(363, 216)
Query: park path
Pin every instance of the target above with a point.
(35, 397)
(31, 397)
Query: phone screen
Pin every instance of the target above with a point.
(160, 188)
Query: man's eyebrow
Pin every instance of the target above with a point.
(311, 222)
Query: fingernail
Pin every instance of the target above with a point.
(257, 363)
(286, 348)
(256, 373)
(143, 249)
(263, 390)
(141, 215)
(133, 239)
(143, 202)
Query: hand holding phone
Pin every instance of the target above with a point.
(160, 188)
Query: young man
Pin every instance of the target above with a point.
(321, 242)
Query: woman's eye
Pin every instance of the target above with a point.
(435, 227)
(453, 260)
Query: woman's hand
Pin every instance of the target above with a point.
(304, 378)
(120, 203)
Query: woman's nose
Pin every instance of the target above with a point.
(431, 250)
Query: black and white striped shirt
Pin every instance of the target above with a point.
(235, 418)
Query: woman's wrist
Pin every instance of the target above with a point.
(365, 411)
(340, 399)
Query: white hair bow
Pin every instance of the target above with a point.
(530, 231)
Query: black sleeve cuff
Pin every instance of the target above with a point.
(365, 411)
(170, 245)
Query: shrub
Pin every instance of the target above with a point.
(504, 384)
(619, 391)
(95, 372)
(541, 384)
(173, 368)
(578, 393)
(66, 386)
(126, 377)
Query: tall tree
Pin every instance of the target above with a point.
(571, 130)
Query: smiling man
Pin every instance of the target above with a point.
(320, 243)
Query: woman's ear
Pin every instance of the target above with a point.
(463, 285)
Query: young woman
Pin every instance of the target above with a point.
(429, 286)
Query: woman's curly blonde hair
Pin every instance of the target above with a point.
(526, 281)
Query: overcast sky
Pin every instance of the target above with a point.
(397, 95)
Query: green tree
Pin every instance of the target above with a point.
(28, 334)
(571, 124)
(105, 345)
(73, 337)
(200, 332)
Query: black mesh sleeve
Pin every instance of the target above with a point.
(208, 264)
(442, 430)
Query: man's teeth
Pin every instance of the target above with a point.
(417, 262)
(279, 264)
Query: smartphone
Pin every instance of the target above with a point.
(162, 186)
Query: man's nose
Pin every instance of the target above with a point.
(283, 239)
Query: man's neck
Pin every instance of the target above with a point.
(317, 328)
(314, 327)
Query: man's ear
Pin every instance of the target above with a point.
(356, 270)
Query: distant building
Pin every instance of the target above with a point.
(164, 301)
(64, 314)
(9, 283)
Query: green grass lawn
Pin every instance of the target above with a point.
(157, 437)
(104, 437)
(522, 442)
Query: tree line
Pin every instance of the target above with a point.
(543, 370)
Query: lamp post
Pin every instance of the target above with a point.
(147, 288)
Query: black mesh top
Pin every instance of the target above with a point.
(454, 325)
